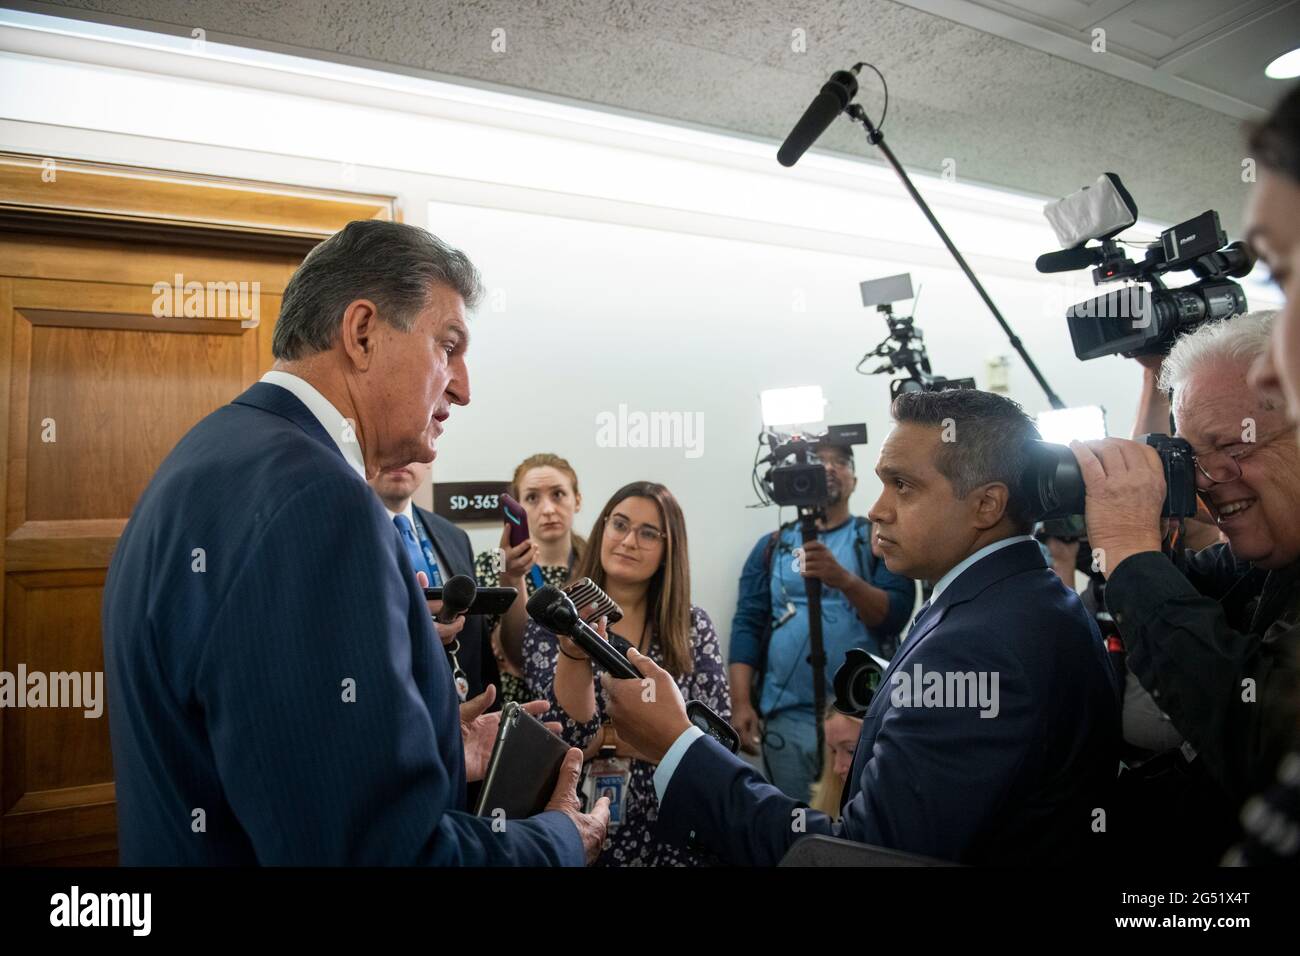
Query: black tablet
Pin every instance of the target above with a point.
(523, 768)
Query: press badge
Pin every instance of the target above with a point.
(608, 776)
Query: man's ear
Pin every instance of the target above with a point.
(990, 502)
(359, 332)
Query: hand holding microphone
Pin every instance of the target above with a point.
(553, 609)
(449, 613)
(643, 698)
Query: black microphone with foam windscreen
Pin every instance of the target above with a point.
(457, 595)
(826, 105)
(554, 610)
(1068, 260)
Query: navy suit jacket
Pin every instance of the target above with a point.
(456, 556)
(1020, 787)
(276, 690)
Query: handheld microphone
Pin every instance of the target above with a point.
(826, 105)
(1067, 260)
(457, 595)
(553, 609)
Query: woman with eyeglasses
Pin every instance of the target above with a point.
(638, 556)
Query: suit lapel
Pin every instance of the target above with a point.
(1013, 559)
(282, 402)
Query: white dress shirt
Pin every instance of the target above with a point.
(409, 511)
(955, 571)
(336, 426)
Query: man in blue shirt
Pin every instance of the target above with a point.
(864, 604)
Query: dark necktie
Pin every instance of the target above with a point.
(916, 621)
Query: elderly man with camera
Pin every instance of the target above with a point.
(1211, 634)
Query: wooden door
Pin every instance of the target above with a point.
(105, 367)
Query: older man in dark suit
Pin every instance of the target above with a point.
(277, 693)
(993, 737)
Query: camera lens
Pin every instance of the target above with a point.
(856, 682)
(1052, 480)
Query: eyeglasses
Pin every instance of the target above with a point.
(1230, 468)
(646, 536)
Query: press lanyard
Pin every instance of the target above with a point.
(535, 575)
(430, 556)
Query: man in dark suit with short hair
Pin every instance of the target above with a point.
(277, 694)
(441, 550)
(993, 737)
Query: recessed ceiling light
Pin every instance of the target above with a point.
(1284, 67)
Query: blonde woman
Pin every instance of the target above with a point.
(842, 732)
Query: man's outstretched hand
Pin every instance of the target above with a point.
(478, 730)
(591, 826)
(648, 712)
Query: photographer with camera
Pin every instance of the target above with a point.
(1170, 808)
(1209, 634)
(864, 604)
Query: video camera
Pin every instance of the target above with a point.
(797, 478)
(904, 348)
(1053, 480)
(1132, 321)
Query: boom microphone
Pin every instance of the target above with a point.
(457, 595)
(828, 104)
(1067, 260)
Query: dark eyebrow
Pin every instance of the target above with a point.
(885, 473)
(648, 524)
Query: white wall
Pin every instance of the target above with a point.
(628, 262)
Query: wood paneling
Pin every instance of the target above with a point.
(96, 200)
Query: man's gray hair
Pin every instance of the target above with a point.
(1241, 339)
(989, 437)
(393, 264)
